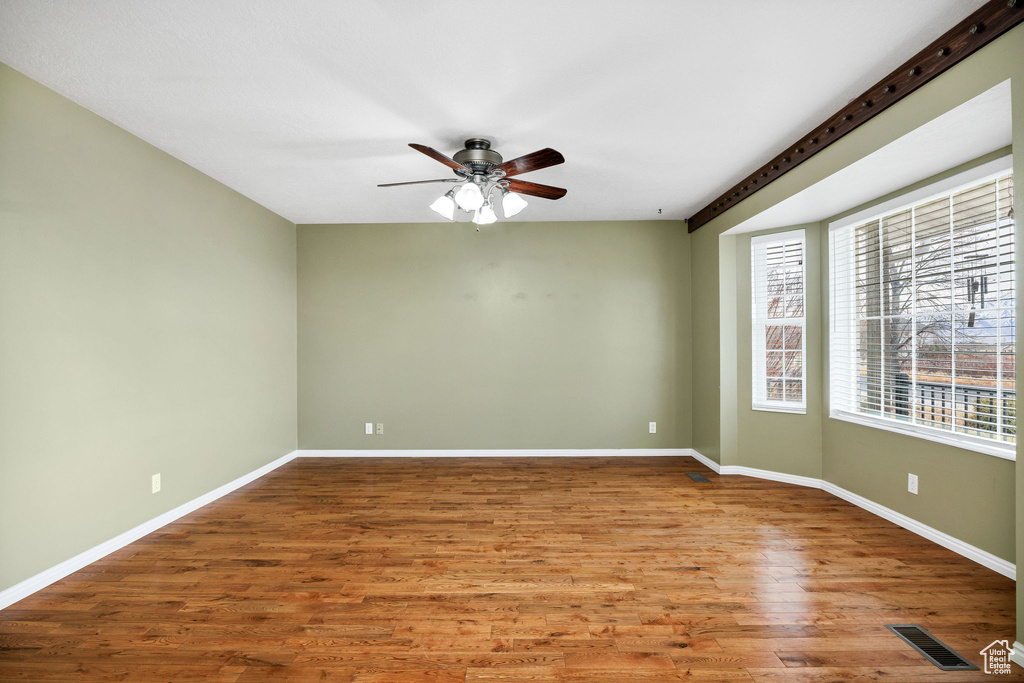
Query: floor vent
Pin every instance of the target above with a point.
(698, 477)
(930, 646)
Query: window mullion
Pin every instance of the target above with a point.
(881, 321)
(912, 399)
(783, 321)
(999, 322)
(801, 321)
(952, 315)
(852, 330)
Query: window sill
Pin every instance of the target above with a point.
(780, 408)
(999, 450)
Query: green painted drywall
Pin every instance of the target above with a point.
(779, 442)
(519, 336)
(973, 496)
(997, 62)
(967, 495)
(147, 324)
(874, 463)
(729, 426)
(704, 317)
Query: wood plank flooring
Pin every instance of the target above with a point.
(567, 569)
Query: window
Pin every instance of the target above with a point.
(777, 287)
(922, 317)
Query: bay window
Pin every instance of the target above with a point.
(923, 327)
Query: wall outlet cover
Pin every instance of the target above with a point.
(369, 428)
(652, 427)
(912, 483)
(380, 427)
(156, 483)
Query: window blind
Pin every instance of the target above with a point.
(777, 307)
(922, 317)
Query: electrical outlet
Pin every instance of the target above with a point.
(912, 483)
(369, 428)
(380, 427)
(156, 483)
(652, 427)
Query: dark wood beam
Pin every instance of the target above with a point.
(992, 20)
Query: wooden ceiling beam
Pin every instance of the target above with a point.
(990, 21)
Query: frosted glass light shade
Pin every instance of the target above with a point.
(485, 215)
(445, 205)
(469, 198)
(512, 203)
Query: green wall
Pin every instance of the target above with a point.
(875, 463)
(520, 336)
(147, 324)
(970, 496)
(997, 62)
(776, 441)
(152, 320)
(704, 316)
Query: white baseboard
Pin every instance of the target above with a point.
(497, 453)
(969, 551)
(773, 476)
(1017, 656)
(982, 557)
(706, 461)
(44, 578)
(22, 590)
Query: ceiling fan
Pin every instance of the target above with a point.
(479, 171)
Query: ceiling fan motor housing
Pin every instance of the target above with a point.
(478, 155)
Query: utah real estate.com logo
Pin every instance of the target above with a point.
(997, 657)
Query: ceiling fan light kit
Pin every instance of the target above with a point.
(511, 203)
(470, 197)
(485, 215)
(479, 172)
(445, 205)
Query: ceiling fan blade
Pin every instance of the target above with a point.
(535, 189)
(532, 162)
(420, 182)
(437, 156)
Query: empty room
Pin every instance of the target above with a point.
(564, 341)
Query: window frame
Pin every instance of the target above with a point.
(978, 175)
(759, 375)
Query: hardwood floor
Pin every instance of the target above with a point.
(568, 569)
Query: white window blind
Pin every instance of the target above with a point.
(922, 319)
(777, 307)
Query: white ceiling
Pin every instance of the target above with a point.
(979, 126)
(304, 106)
